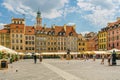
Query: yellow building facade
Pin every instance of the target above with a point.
(102, 40)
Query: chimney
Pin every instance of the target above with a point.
(53, 26)
(44, 25)
(74, 26)
(65, 27)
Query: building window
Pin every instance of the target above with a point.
(58, 48)
(48, 43)
(17, 41)
(29, 37)
(17, 48)
(117, 37)
(26, 37)
(13, 41)
(29, 48)
(20, 35)
(21, 47)
(32, 42)
(32, 37)
(13, 35)
(26, 42)
(83, 44)
(32, 48)
(49, 49)
(117, 44)
(16, 35)
(26, 48)
(20, 41)
(13, 47)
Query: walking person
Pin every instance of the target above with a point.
(94, 57)
(40, 58)
(109, 60)
(35, 58)
(103, 57)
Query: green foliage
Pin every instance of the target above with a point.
(1, 56)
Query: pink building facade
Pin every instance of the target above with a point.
(114, 35)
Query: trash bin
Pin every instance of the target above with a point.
(3, 64)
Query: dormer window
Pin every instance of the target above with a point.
(70, 34)
(53, 33)
(63, 33)
(60, 33)
(49, 33)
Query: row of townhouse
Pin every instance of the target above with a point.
(109, 36)
(38, 38)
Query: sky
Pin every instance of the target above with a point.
(87, 15)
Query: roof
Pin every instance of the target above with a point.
(4, 31)
(58, 29)
(29, 30)
(113, 23)
(18, 19)
(14, 26)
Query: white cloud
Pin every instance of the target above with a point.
(50, 9)
(2, 25)
(99, 12)
(85, 32)
(70, 23)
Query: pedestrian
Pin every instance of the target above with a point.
(85, 58)
(109, 60)
(35, 58)
(40, 58)
(94, 57)
(103, 57)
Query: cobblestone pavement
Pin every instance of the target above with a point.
(56, 69)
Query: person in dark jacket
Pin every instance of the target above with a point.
(35, 58)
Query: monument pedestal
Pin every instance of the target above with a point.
(3, 64)
(68, 57)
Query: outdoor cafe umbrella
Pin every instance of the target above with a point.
(114, 49)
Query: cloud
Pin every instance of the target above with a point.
(50, 9)
(85, 32)
(70, 23)
(2, 25)
(99, 12)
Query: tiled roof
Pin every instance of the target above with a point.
(58, 29)
(4, 31)
(18, 19)
(14, 26)
(29, 30)
(113, 23)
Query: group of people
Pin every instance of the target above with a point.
(111, 59)
(35, 58)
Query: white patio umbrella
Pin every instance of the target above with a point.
(37, 54)
(114, 49)
(29, 54)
